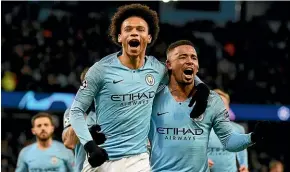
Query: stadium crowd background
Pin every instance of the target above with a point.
(46, 45)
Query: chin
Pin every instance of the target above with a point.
(188, 81)
(43, 138)
(134, 54)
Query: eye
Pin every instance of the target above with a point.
(194, 57)
(141, 29)
(182, 57)
(127, 29)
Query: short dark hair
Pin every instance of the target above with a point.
(126, 11)
(177, 44)
(41, 115)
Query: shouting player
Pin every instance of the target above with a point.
(179, 141)
(123, 86)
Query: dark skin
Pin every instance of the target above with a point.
(134, 29)
(179, 59)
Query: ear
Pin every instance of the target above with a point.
(119, 38)
(168, 64)
(149, 39)
(32, 130)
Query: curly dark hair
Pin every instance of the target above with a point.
(126, 11)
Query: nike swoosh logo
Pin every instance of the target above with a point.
(158, 114)
(115, 82)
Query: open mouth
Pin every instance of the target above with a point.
(134, 43)
(188, 72)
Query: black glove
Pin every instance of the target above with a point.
(261, 131)
(200, 97)
(98, 137)
(96, 155)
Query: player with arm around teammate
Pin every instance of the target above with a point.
(122, 85)
(178, 141)
(222, 159)
(46, 154)
(69, 137)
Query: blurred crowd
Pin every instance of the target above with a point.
(45, 51)
(45, 47)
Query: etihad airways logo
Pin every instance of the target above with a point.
(133, 99)
(179, 133)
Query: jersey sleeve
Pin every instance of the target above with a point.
(84, 97)
(232, 141)
(242, 156)
(91, 119)
(66, 119)
(21, 165)
(220, 119)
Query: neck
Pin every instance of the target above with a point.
(181, 92)
(44, 144)
(132, 62)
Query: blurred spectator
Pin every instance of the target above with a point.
(45, 46)
(276, 166)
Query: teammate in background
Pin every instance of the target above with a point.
(276, 166)
(123, 85)
(69, 137)
(221, 159)
(179, 142)
(46, 154)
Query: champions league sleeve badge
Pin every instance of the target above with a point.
(84, 85)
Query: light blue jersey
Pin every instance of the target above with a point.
(79, 151)
(123, 99)
(224, 160)
(56, 158)
(179, 143)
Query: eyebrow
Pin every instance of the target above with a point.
(138, 26)
(186, 54)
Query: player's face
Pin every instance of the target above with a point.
(134, 36)
(183, 63)
(43, 128)
(226, 102)
(278, 168)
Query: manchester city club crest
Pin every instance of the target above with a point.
(149, 79)
(54, 160)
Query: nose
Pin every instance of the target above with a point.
(134, 33)
(42, 128)
(189, 61)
